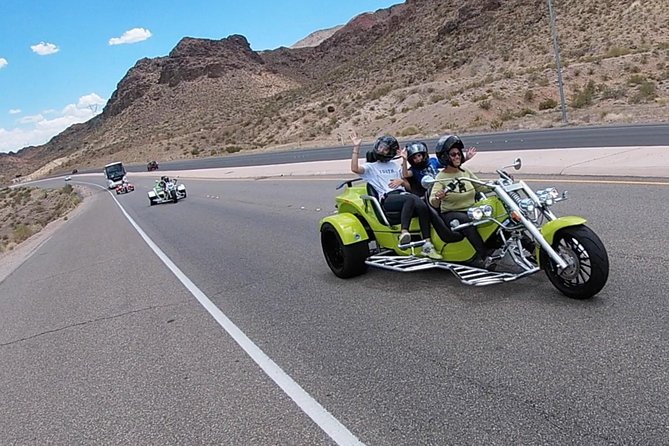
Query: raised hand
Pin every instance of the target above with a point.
(354, 138)
(403, 152)
(471, 152)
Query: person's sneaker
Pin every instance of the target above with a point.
(405, 238)
(429, 251)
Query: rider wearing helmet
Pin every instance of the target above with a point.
(454, 198)
(163, 182)
(385, 177)
(422, 164)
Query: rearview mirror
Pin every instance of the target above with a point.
(517, 163)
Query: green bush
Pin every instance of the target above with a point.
(547, 104)
(584, 97)
(636, 79)
(409, 131)
(529, 96)
(21, 232)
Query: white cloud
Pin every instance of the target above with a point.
(3, 62)
(131, 36)
(31, 119)
(38, 130)
(44, 49)
(15, 111)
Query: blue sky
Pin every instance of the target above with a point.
(60, 60)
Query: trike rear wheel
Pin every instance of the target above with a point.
(344, 260)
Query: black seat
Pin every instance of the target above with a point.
(393, 218)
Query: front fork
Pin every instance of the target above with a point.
(537, 235)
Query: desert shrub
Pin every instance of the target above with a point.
(485, 105)
(647, 92)
(437, 98)
(636, 79)
(583, 97)
(547, 104)
(379, 92)
(21, 232)
(610, 92)
(409, 131)
(195, 151)
(506, 115)
(617, 51)
(528, 96)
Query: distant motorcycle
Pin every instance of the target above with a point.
(165, 190)
(124, 187)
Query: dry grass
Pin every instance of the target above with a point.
(24, 211)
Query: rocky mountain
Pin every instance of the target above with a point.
(416, 69)
(316, 37)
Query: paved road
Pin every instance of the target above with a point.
(570, 137)
(104, 345)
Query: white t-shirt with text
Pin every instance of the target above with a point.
(379, 174)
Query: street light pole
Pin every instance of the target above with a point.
(556, 47)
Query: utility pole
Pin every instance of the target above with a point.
(556, 47)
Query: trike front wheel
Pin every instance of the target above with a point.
(588, 268)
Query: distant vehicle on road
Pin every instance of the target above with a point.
(166, 190)
(152, 165)
(115, 173)
(68, 178)
(124, 187)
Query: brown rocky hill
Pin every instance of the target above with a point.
(416, 69)
(316, 37)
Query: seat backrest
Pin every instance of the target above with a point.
(386, 218)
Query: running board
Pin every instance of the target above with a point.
(468, 275)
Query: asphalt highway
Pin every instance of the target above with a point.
(103, 344)
(566, 137)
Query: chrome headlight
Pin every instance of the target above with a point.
(478, 212)
(487, 210)
(475, 213)
(547, 196)
(527, 205)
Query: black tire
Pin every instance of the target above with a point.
(152, 201)
(591, 262)
(345, 261)
(175, 197)
(184, 195)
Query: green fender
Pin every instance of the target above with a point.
(549, 229)
(348, 227)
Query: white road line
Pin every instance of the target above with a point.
(324, 419)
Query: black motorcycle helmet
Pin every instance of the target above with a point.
(414, 148)
(386, 142)
(444, 145)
